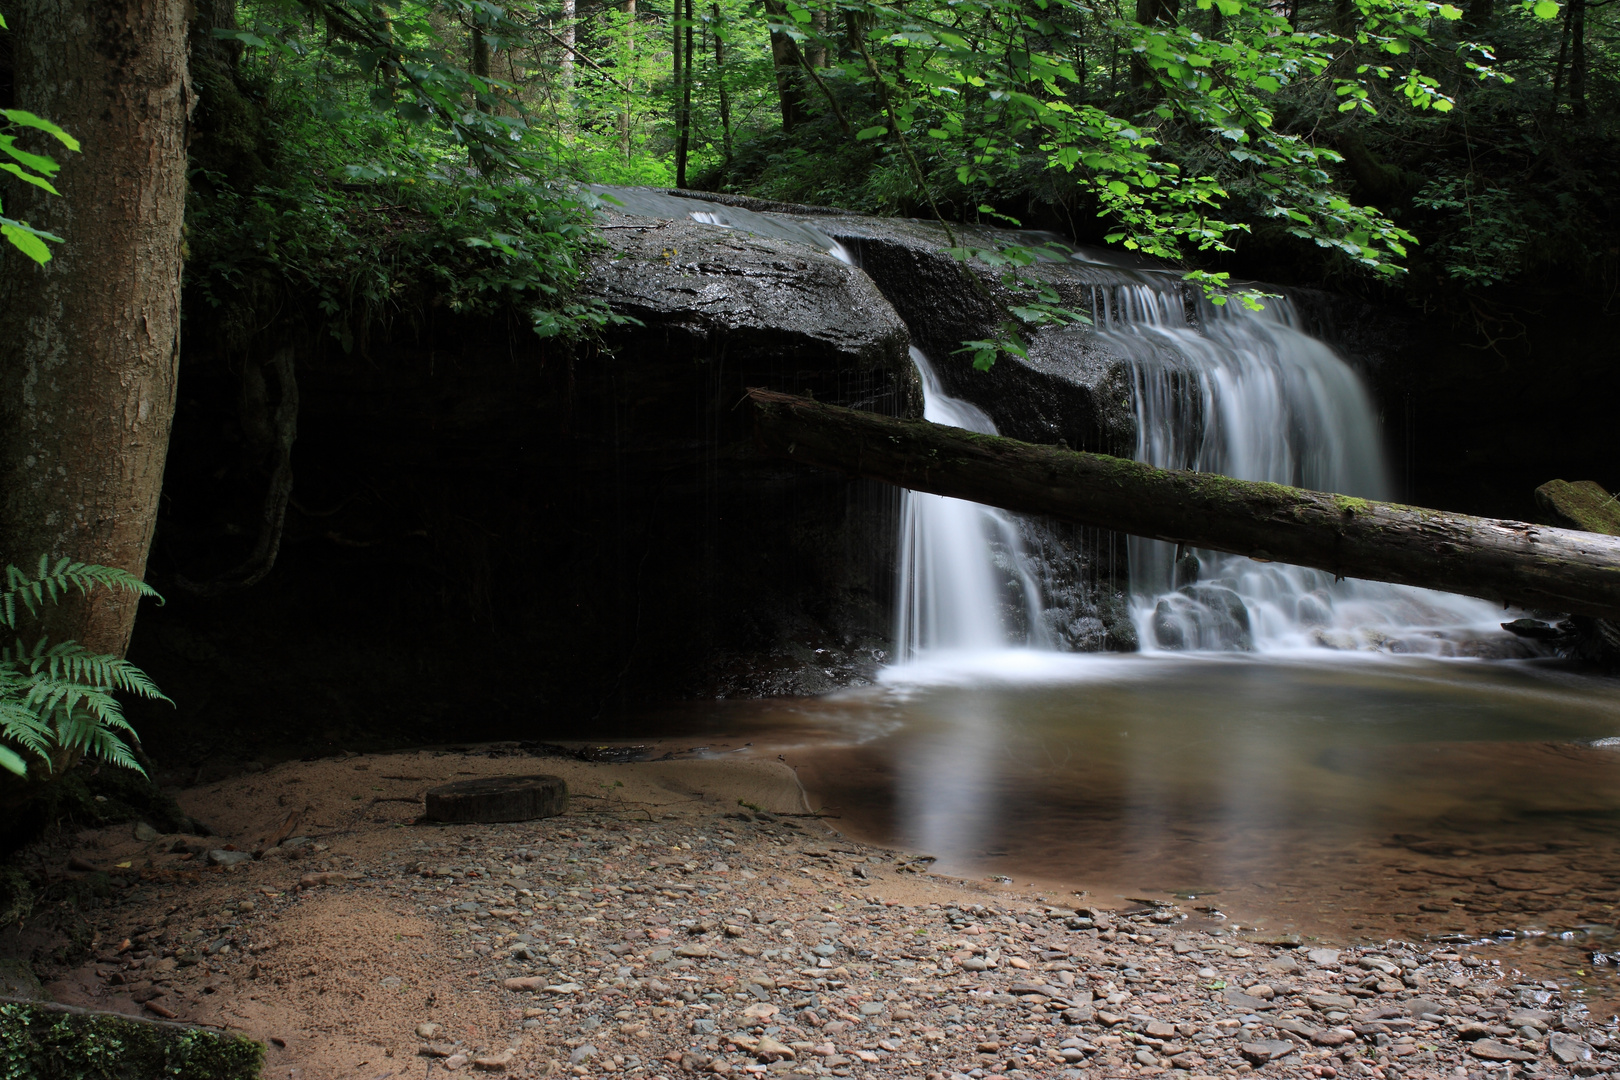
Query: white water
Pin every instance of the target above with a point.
(964, 577)
(1250, 395)
(1244, 394)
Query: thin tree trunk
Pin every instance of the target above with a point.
(1563, 55)
(790, 88)
(570, 12)
(720, 82)
(816, 56)
(676, 74)
(1577, 57)
(683, 68)
(480, 66)
(629, 78)
(1506, 561)
(88, 375)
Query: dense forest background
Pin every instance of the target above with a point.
(387, 218)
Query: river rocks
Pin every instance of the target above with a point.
(1269, 1050)
(1491, 1050)
(723, 942)
(1567, 1049)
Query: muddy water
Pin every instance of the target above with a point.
(1358, 798)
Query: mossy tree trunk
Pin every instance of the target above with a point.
(1506, 561)
(92, 339)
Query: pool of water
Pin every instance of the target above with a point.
(1343, 797)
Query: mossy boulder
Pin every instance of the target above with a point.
(68, 1044)
(1579, 504)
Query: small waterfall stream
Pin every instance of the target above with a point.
(965, 579)
(1250, 395)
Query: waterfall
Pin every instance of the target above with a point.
(964, 577)
(1217, 389)
(1250, 395)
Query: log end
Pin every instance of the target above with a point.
(498, 798)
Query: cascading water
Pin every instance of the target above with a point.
(964, 579)
(1251, 396)
(1241, 393)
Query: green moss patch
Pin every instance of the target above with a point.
(40, 1040)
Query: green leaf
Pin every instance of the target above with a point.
(1447, 11)
(27, 177)
(1545, 9)
(870, 133)
(10, 760)
(27, 242)
(26, 119)
(38, 162)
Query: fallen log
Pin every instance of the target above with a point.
(1511, 562)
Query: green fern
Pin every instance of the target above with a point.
(60, 697)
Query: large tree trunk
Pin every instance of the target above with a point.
(1507, 561)
(92, 339)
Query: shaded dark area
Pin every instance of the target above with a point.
(488, 539)
(1474, 423)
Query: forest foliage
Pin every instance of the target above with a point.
(427, 153)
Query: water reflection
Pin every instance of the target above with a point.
(1369, 797)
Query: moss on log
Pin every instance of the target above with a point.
(46, 1040)
(1511, 562)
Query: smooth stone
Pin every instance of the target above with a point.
(498, 798)
(221, 857)
(1491, 1050)
(145, 833)
(1568, 1049)
(1239, 1000)
(1331, 1002)
(1266, 1050)
(1326, 958)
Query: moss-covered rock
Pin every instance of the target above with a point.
(1579, 504)
(43, 1040)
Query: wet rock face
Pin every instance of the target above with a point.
(1203, 617)
(1072, 388)
(765, 305)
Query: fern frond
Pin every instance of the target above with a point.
(60, 697)
(51, 583)
(21, 725)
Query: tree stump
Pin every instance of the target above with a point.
(498, 798)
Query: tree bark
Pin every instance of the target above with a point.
(683, 70)
(790, 89)
(720, 82)
(92, 339)
(1507, 561)
(570, 31)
